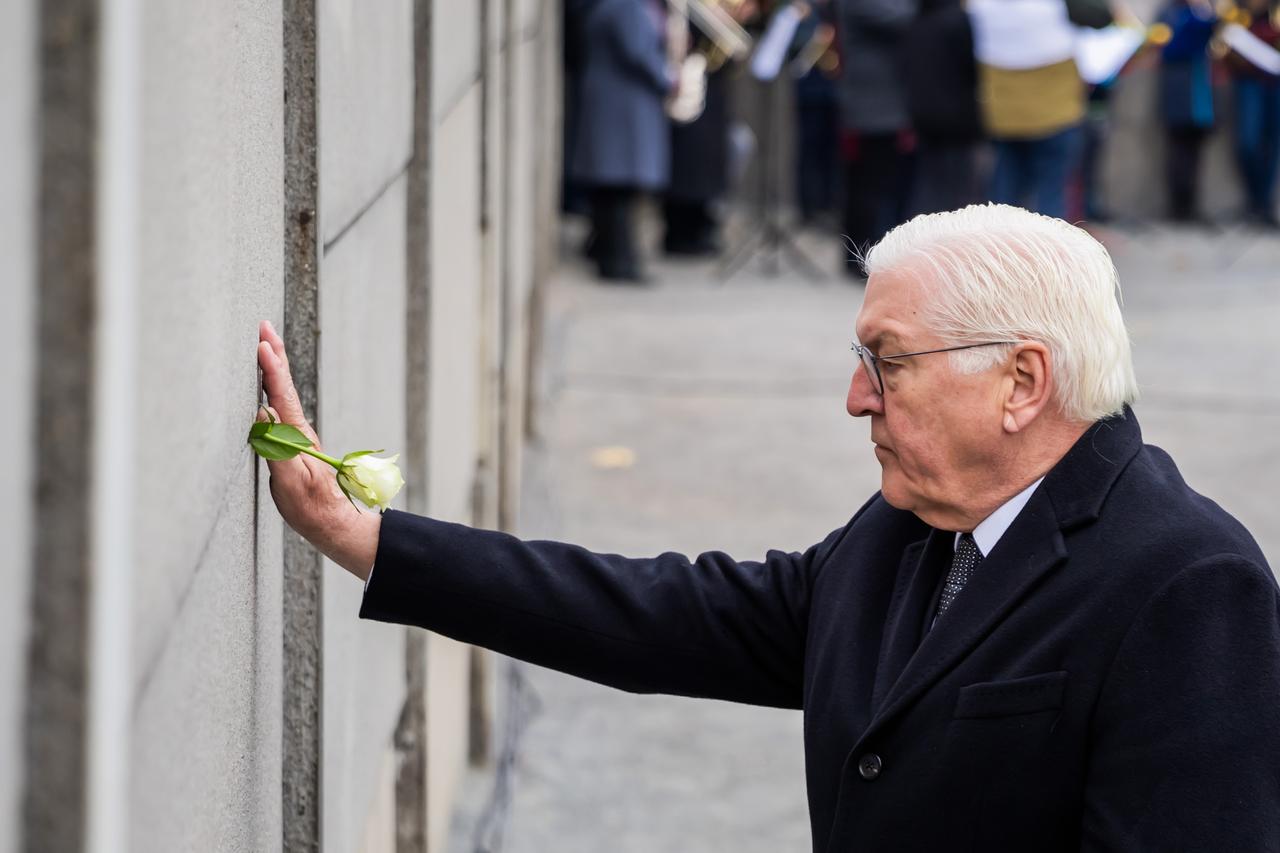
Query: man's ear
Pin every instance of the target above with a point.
(1029, 382)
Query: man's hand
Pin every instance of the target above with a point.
(305, 489)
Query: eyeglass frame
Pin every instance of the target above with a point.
(871, 361)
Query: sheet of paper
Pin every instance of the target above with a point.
(772, 49)
(1253, 49)
(1101, 54)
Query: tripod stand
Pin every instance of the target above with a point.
(768, 238)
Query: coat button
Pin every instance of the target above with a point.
(869, 766)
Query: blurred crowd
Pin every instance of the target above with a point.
(900, 107)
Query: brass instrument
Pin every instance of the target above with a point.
(727, 40)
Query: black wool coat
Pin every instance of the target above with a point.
(1108, 680)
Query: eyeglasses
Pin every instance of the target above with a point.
(871, 361)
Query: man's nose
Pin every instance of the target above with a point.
(863, 399)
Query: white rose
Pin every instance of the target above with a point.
(374, 481)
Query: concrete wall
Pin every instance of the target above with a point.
(457, 363)
(213, 184)
(365, 135)
(17, 321)
(205, 754)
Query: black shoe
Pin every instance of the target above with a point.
(1264, 219)
(704, 248)
(628, 275)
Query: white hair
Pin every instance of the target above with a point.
(996, 273)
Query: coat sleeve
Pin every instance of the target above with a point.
(1186, 745)
(710, 627)
(630, 32)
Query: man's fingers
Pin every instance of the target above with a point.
(282, 396)
(268, 333)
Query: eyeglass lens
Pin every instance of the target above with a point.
(873, 371)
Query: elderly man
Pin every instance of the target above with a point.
(1036, 637)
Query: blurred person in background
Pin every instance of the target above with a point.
(942, 96)
(573, 196)
(1032, 96)
(1096, 129)
(700, 155)
(1257, 118)
(1186, 102)
(623, 138)
(876, 138)
(818, 121)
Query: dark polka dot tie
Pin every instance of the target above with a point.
(963, 565)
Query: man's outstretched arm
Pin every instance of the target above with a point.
(709, 627)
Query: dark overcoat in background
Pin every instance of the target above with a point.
(940, 74)
(700, 149)
(623, 136)
(872, 94)
(1108, 680)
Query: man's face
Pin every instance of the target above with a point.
(936, 432)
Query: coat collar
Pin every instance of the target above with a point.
(1072, 494)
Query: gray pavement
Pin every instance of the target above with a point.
(696, 415)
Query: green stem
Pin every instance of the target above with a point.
(336, 463)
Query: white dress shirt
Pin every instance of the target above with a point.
(988, 533)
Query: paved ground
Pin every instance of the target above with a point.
(696, 415)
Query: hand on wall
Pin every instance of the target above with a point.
(304, 488)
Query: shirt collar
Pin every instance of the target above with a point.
(988, 533)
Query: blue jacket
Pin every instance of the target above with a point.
(1186, 83)
(623, 137)
(1108, 680)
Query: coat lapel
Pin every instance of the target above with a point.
(918, 576)
(1030, 550)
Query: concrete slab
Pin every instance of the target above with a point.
(366, 104)
(455, 335)
(210, 237)
(455, 55)
(205, 746)
(362, 393)
(17, 386)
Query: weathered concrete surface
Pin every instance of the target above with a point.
(205, 751)
(461, 341)
(366, 104)
(447, 673)
(210, 242)
(362, 392)
(455, 333)
(455, 393)
(205, 771)
(731, 398)
(17, 386)
(455, 52)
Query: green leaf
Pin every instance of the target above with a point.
(271, 451)
(353, 454)
(289, 433)
(258, 430)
